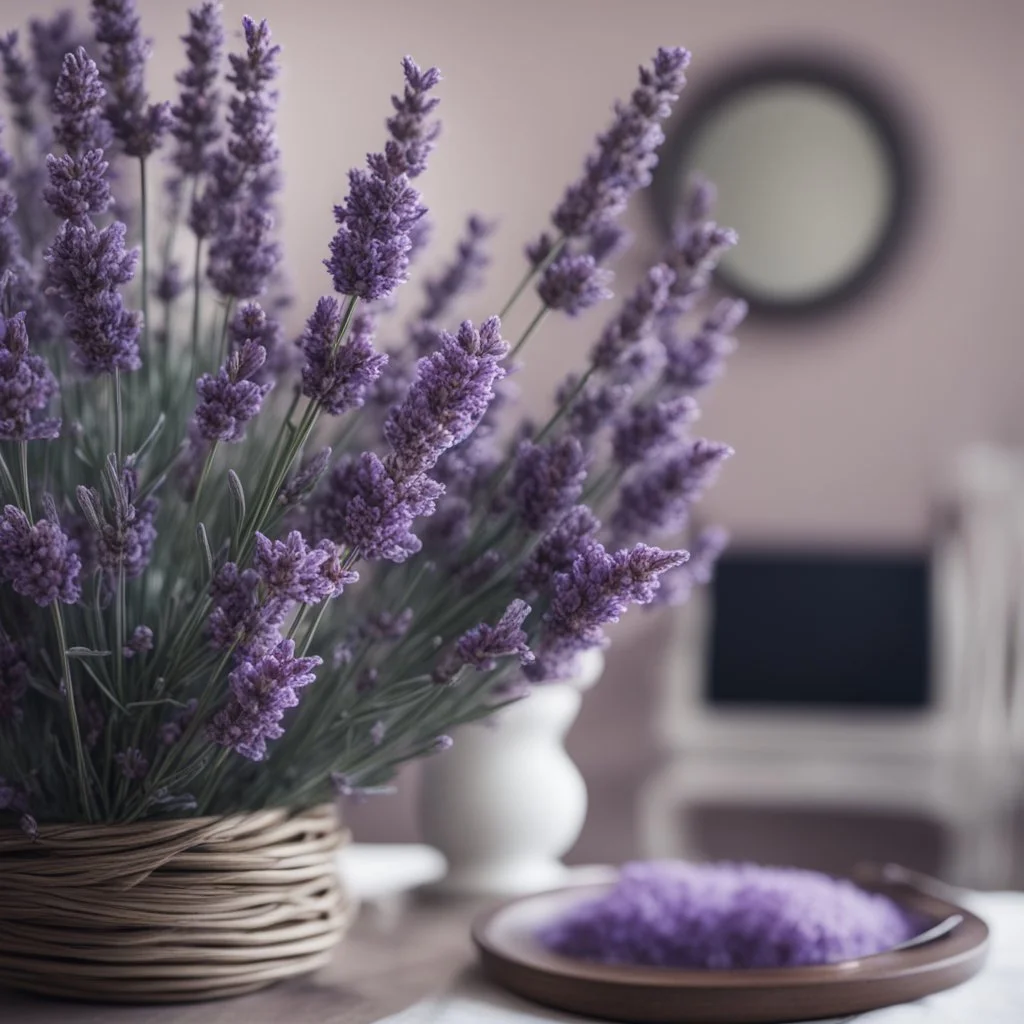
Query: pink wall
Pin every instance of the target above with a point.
(841, 425)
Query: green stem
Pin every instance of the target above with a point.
(145, 255)
(27, 491)
(207, 465)
(313, 628)
(530, 328)
(69, 692)
(118, 422)
(565, 406)
(556, 251)
(196, 289)
(9, 480)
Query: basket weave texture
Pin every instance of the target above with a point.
(170, 911)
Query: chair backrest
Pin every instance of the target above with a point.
(975, 685)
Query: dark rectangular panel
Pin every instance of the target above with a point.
(835, 630)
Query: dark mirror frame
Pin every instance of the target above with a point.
(820, 70)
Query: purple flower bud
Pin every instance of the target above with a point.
(86, 265)
(78, 184)
(636, 320)
(38, 561)
(460, 276)
(137, 124)
(77, 105)
(170, 284)
(338, 376)
(607, 240)
(26, 386)
(133, 763)
(573, 284)
(693, 254)
(370, 251)
(172, 731)
(291, 570)
(243, 255)
(557, 550)
(452, 390)
(412, 135)
(122, 542)
(482, 646)
(546, 480)
(698, 360)
(371, 510)
(19, 88)
(594, 592)
(626, 152)
(595, 407)
(50, 41)
(241, 615)
(678, 584)
(377, 731)
(305, 479)
(251, 323)
(648, 429)
(229, 400)
(261, 690)
(139, 642)
(195, 128)
(658, 498)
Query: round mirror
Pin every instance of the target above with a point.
(812, 173)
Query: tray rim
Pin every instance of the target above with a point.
(921, 970)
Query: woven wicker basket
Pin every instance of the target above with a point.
(170, 911)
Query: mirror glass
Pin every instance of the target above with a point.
(810, 171)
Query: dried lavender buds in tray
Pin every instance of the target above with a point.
(725, 944)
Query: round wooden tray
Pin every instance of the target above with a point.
(513, 959)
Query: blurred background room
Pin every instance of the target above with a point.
(850, 686)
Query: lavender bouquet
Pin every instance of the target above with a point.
(239, 570)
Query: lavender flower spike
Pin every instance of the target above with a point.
(77, 105)
(195, 128)
(593, 593)
(370, 251)
(230, 399)
(453, 388)
(138, 125)
(647, 429)
(370, 508)
(19, 88)
(26, 386)
(235, 207)
(412, 135)
(626, 152)
(678, 584)
(38, 561)
(337, 376)
(293, 571)
(658, 499)
(557, 550)
(636, 320)
(546, 480)
(124, 542)
(462, 274)
(697, 361)
(482, 645)
(573, 283)
(262, 689)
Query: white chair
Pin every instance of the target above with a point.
(953, 761)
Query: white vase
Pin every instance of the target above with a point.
(506, 802)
